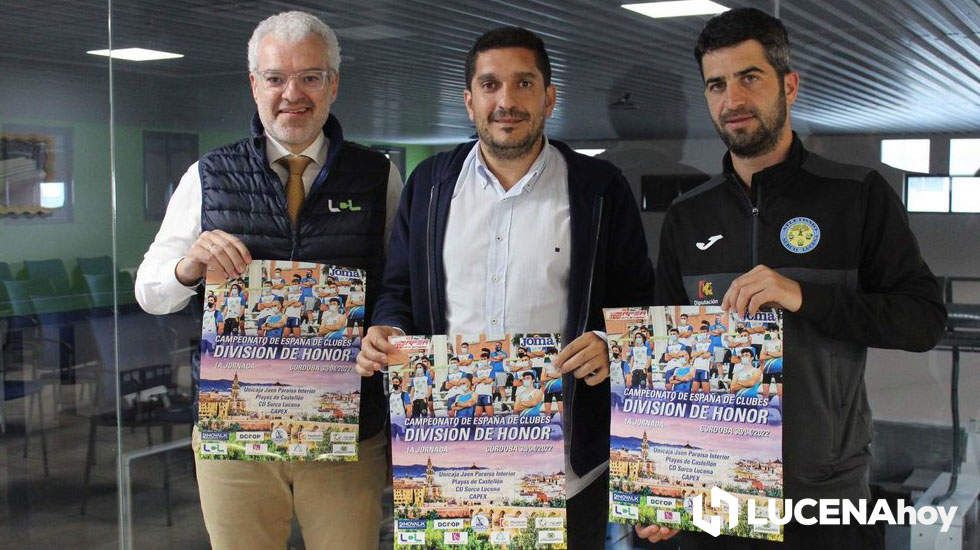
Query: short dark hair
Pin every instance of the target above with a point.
(736, 26)
(509, 37)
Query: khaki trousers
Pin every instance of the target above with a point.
(250, 505)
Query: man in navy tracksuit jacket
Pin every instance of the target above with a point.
(607, 265)
(827, 242)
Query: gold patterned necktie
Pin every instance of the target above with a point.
(295, 192)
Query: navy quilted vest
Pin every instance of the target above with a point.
(342, 221)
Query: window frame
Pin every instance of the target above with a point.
(174, 170)
(949, 177)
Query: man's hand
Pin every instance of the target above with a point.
(375, 349)
(223, 251)
(760, 287)
(586, 357)
(654, 533)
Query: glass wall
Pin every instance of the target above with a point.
(59, 429)
(95, 410)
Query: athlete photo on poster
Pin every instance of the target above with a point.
(278, 347)
(697, 400)
(476, 440)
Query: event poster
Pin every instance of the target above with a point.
(477, 448)
(696, 403)
(278, 348)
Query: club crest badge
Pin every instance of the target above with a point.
(800, 235)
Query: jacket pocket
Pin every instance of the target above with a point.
(837, 403)
(811, 427)
(853, 418)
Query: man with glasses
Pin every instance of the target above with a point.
(282, 194)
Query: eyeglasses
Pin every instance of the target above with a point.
(312, 80)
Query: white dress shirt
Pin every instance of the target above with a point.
(507, 253)
(507, 256)
(157, 289)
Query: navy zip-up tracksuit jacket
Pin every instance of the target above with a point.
(842, 233)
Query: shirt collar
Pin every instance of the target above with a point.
(316, 150)
(525, 184)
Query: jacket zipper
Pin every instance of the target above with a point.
(754, 208)
(585, 320)
(755, 226)
(430, 223)
(595, 252)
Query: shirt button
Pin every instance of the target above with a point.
(495, 278)
(500, 238)
(493, 321)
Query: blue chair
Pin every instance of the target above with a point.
(147, 353)
(100, 291)
(98, 265)
(126, 294)
(35, 317)
(31, 380)
(52, 271)
(18, 298)
(51, 289)
(19, 389)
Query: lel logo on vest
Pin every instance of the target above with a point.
(705, 290)
(344, 205)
